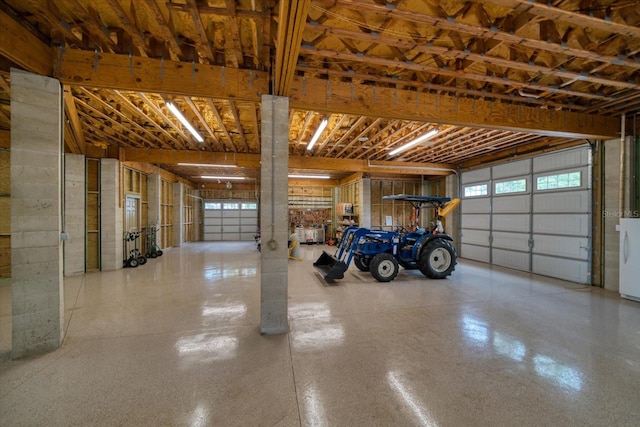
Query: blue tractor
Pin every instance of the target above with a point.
(382, 252)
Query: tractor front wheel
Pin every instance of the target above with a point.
(384, 267)
(437, 259)
(362, 262)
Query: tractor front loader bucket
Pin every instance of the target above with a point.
(335, 269)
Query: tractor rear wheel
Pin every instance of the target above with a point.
(384, 267)
(437, 259)
(361, 262)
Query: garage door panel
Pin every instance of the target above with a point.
(567, 224)
(475, 237)
(212, 214)
(511, 169)
(477, 175)
(476, 221)
(515, 241)
(231, 214)
(476, 253)
(512, 204)
(230, 236)
(515, 222)
(212, 236)
(230, 221)
(247, 236)
(562, 202)
(247, 221)
(561, 160)
(562, 268)
(213, 229)
(561, 246)
(511, 259)
(250, 214)
(480, 205)
(213, 221)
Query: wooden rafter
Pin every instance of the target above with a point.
(378, 136)
(203, 122)
(356, 139)
(186, 139)
(300, 145)
(129, 26)
(94, 28)
(345, 135)
(174, 47)
(202, 42)
(130, 121)
(233, 49)
(476, 31)
(76, 126)
(323, 142)
(236, 118)
(215, 112)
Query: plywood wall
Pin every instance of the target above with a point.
(401, 213)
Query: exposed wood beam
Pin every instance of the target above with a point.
(5, 138)
(356, 139)
(113, 71)
(202, 43)
(233, 49)
(174, 48)
(345, 135)
(128, 120)
(205, 9)
(134, 108)
(23, 48)
(550, 12)
(129, 26)
(236, 118)
(409, 105)
(312, 163)
(298, 146)
(320, 146)
(186, 139)
(121, 72)
(457, 74)
(292, 17)
(203, 122)
(465, 54)
(91, 21)
(76, 126)
(49, 12)
(214, 109)
(481, 32)
(372, 140)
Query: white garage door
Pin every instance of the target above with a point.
(531, 215)
(230, 219)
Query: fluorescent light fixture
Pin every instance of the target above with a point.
(225, 178)
(323, 124)
(207, 165)
(184, 121)
(310, 176)
(413, 142)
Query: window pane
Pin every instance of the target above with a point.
(542, 183)
(209, 205)
(231, 206)
(250, 206)
(563, 180)
(475, 190)
(515, 186)
(574, 179)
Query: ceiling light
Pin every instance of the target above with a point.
(323, 124)
(310, 176)
(184, 121)
(210, 165)
(413, 142)
(238, 178)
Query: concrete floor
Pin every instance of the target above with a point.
(176, 342)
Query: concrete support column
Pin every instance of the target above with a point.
(178, 214)
(111, 227)
(153, 187)
(74, 214)
(274, 204)
(364, 203)
(36, 221)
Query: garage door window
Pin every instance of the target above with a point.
(209, 205)
(475, 190)
(514, 186)
(563, 180)
(249, 206)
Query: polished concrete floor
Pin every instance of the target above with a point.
(176, 342)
